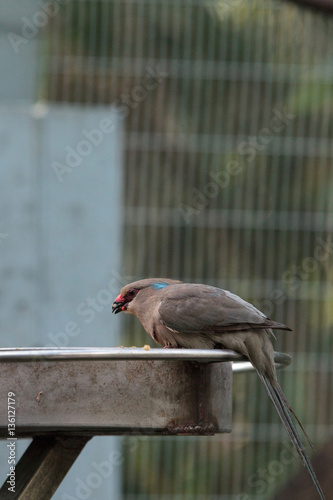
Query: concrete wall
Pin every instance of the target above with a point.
(60, 236)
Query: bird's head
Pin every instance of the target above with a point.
(129, 292)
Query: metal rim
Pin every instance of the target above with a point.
(240, 364)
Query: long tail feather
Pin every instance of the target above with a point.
(284, 399)
(282, 407)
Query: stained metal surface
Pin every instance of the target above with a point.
(99, 396)
(118, 390)
(132, 353)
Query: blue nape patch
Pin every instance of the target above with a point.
(159, 285)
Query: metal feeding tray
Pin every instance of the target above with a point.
(64, 396)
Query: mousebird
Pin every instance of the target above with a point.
(193, 316)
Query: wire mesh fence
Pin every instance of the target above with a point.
(228, 115)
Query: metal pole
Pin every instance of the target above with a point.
(43, 466)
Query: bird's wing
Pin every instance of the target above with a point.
(192, 308)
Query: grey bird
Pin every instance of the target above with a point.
(177, 314)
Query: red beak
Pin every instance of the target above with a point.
(118, 304)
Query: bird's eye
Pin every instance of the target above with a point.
(131, 293)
